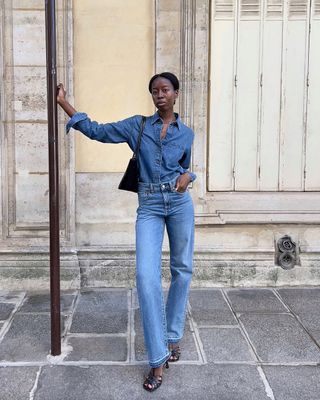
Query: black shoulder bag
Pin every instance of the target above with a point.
(130, 178)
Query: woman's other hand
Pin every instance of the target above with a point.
(183, 182)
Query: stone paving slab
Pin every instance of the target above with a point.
(17, 382)
(210, 308)
(103, 311)
(294, 383)
(310, 319)
(254, 300)
(97, 349)
(10, 296)
(276, 335)
(207, 382)
(40, 302)
(280, 338)
(316, 336)
(28, 338)
(301, 299)
(225, 344)
(5, 310)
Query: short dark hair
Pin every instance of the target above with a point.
(168, 75)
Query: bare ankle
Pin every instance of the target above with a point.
(158, 371)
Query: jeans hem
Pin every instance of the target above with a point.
(160, 362)
(174, 340)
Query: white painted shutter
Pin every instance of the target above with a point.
(271, 96)
(295, 55)
(312, 168)
(264, 132)
(221, 114)
(247, 96)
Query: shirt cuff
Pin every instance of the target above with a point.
(77, 117)
(192, 176)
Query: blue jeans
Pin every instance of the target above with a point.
(159, 206)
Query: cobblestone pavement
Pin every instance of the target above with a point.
(239, 344)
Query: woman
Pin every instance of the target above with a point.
(163, 201)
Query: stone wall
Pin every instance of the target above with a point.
(24, 153)
(236, 233)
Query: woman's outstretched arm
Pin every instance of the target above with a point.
(62, 101)
(114, 132)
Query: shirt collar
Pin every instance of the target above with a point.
(156, 117)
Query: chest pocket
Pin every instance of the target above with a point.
(173, 153)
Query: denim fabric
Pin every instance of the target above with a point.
(159, 160)
(160, 206)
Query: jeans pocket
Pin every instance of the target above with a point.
(181, 193)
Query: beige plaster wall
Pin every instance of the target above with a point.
(113, 62)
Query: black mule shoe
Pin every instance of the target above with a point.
(153, 382)
(175, 354)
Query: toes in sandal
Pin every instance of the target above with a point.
(153, 382)
(175, 354)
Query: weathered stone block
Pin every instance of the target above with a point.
(225, 345)
(29, 278)
(32, 199)
(279, 338)
(97, 349)
(31, 148)
(30, 95)
(254, 300)
(17, 382)
(40, 302)
(208, 307)
(37, 4)
(5, 310)
(301, 382)
(29, 37)
(28, 338)
(298, 276)
(101, 312)
(301, 299)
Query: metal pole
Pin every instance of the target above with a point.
(53, 177)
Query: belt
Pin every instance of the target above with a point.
(160, 186)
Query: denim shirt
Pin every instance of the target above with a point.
(160, 160)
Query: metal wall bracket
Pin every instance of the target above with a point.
(286, 253)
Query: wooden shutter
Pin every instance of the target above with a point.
(247, 96)
(295, 55)
(264, 127)
(270, 81)
(222, 82)
(312, 174)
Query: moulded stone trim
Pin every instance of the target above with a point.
(23, 116)
(38, 4)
